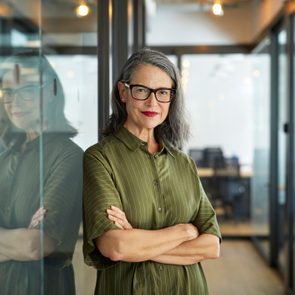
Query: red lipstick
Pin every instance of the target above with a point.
(150, 114)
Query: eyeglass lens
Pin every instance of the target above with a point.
(142, 93)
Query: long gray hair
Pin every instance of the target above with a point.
(174, 130)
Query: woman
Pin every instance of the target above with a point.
(147, 220)
(40, 178)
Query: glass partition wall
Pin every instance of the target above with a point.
(48, 84)
(218, 90)
(260, 187)
(273, 169)
(57, 63)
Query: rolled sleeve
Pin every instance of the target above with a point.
(99, 193)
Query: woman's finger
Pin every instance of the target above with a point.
(117, 209)
(123, 223)
(116, 214)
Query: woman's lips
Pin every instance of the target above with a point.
(19, 114)
(150, 114)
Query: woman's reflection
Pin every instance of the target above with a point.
(40, 182)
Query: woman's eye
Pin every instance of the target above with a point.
(141, 90)
(163, 92)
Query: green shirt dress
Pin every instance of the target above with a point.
(155, 191)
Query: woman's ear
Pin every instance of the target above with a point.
(122, 91)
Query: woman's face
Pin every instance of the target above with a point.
(21, 97)
(149, 113)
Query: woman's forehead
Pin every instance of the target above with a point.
(18, 73)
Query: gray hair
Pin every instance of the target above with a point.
(174, 130)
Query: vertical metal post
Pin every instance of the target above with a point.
(139, 20)
(119, 36)
(104, 30)
(290, 155)
(273, 174)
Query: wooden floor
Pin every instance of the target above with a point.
(241, 271)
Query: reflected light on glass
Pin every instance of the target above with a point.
(82, 10)
(247, 81)
(256, 73)
(217, 8)
(33, 43)
(4, 10)
(71, 74)
(185, 63)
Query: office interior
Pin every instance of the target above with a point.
(238, 78)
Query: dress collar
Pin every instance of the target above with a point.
(133, 142)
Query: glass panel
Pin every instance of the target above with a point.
(48, 109)
(218, 90)
(24, 82)
(282, 150)
(261, 160)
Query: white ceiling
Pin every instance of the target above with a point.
(226, 2)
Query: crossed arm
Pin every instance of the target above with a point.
(24, 244)
(180, 244)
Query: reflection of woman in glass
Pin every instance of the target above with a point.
(40, 197)
(6, 137)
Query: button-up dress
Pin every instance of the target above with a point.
(155, 191)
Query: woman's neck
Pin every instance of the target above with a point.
(146, 135)
(31, 136)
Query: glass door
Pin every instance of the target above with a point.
(282, 152)
(260, 188)
(49, 114)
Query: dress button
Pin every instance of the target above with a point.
(159, 209)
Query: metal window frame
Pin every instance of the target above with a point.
(290, 152)
(104, 16)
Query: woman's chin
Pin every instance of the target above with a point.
(24, 126)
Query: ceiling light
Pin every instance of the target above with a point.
(217, 8)
(82, 9)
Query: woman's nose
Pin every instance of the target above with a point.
(151, 100)
(16, 98)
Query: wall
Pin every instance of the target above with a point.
(187, 24)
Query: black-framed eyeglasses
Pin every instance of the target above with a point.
(141, 92)
(26, 93)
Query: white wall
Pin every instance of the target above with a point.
(186, 25)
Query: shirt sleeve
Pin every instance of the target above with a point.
(205, 219)
(63, 199)
(99, 193)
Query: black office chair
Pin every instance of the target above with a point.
(233, 190)
(213, 158)
(197, 156)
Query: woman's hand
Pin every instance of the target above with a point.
(118, 217)
(37, 217)
(192, 230)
